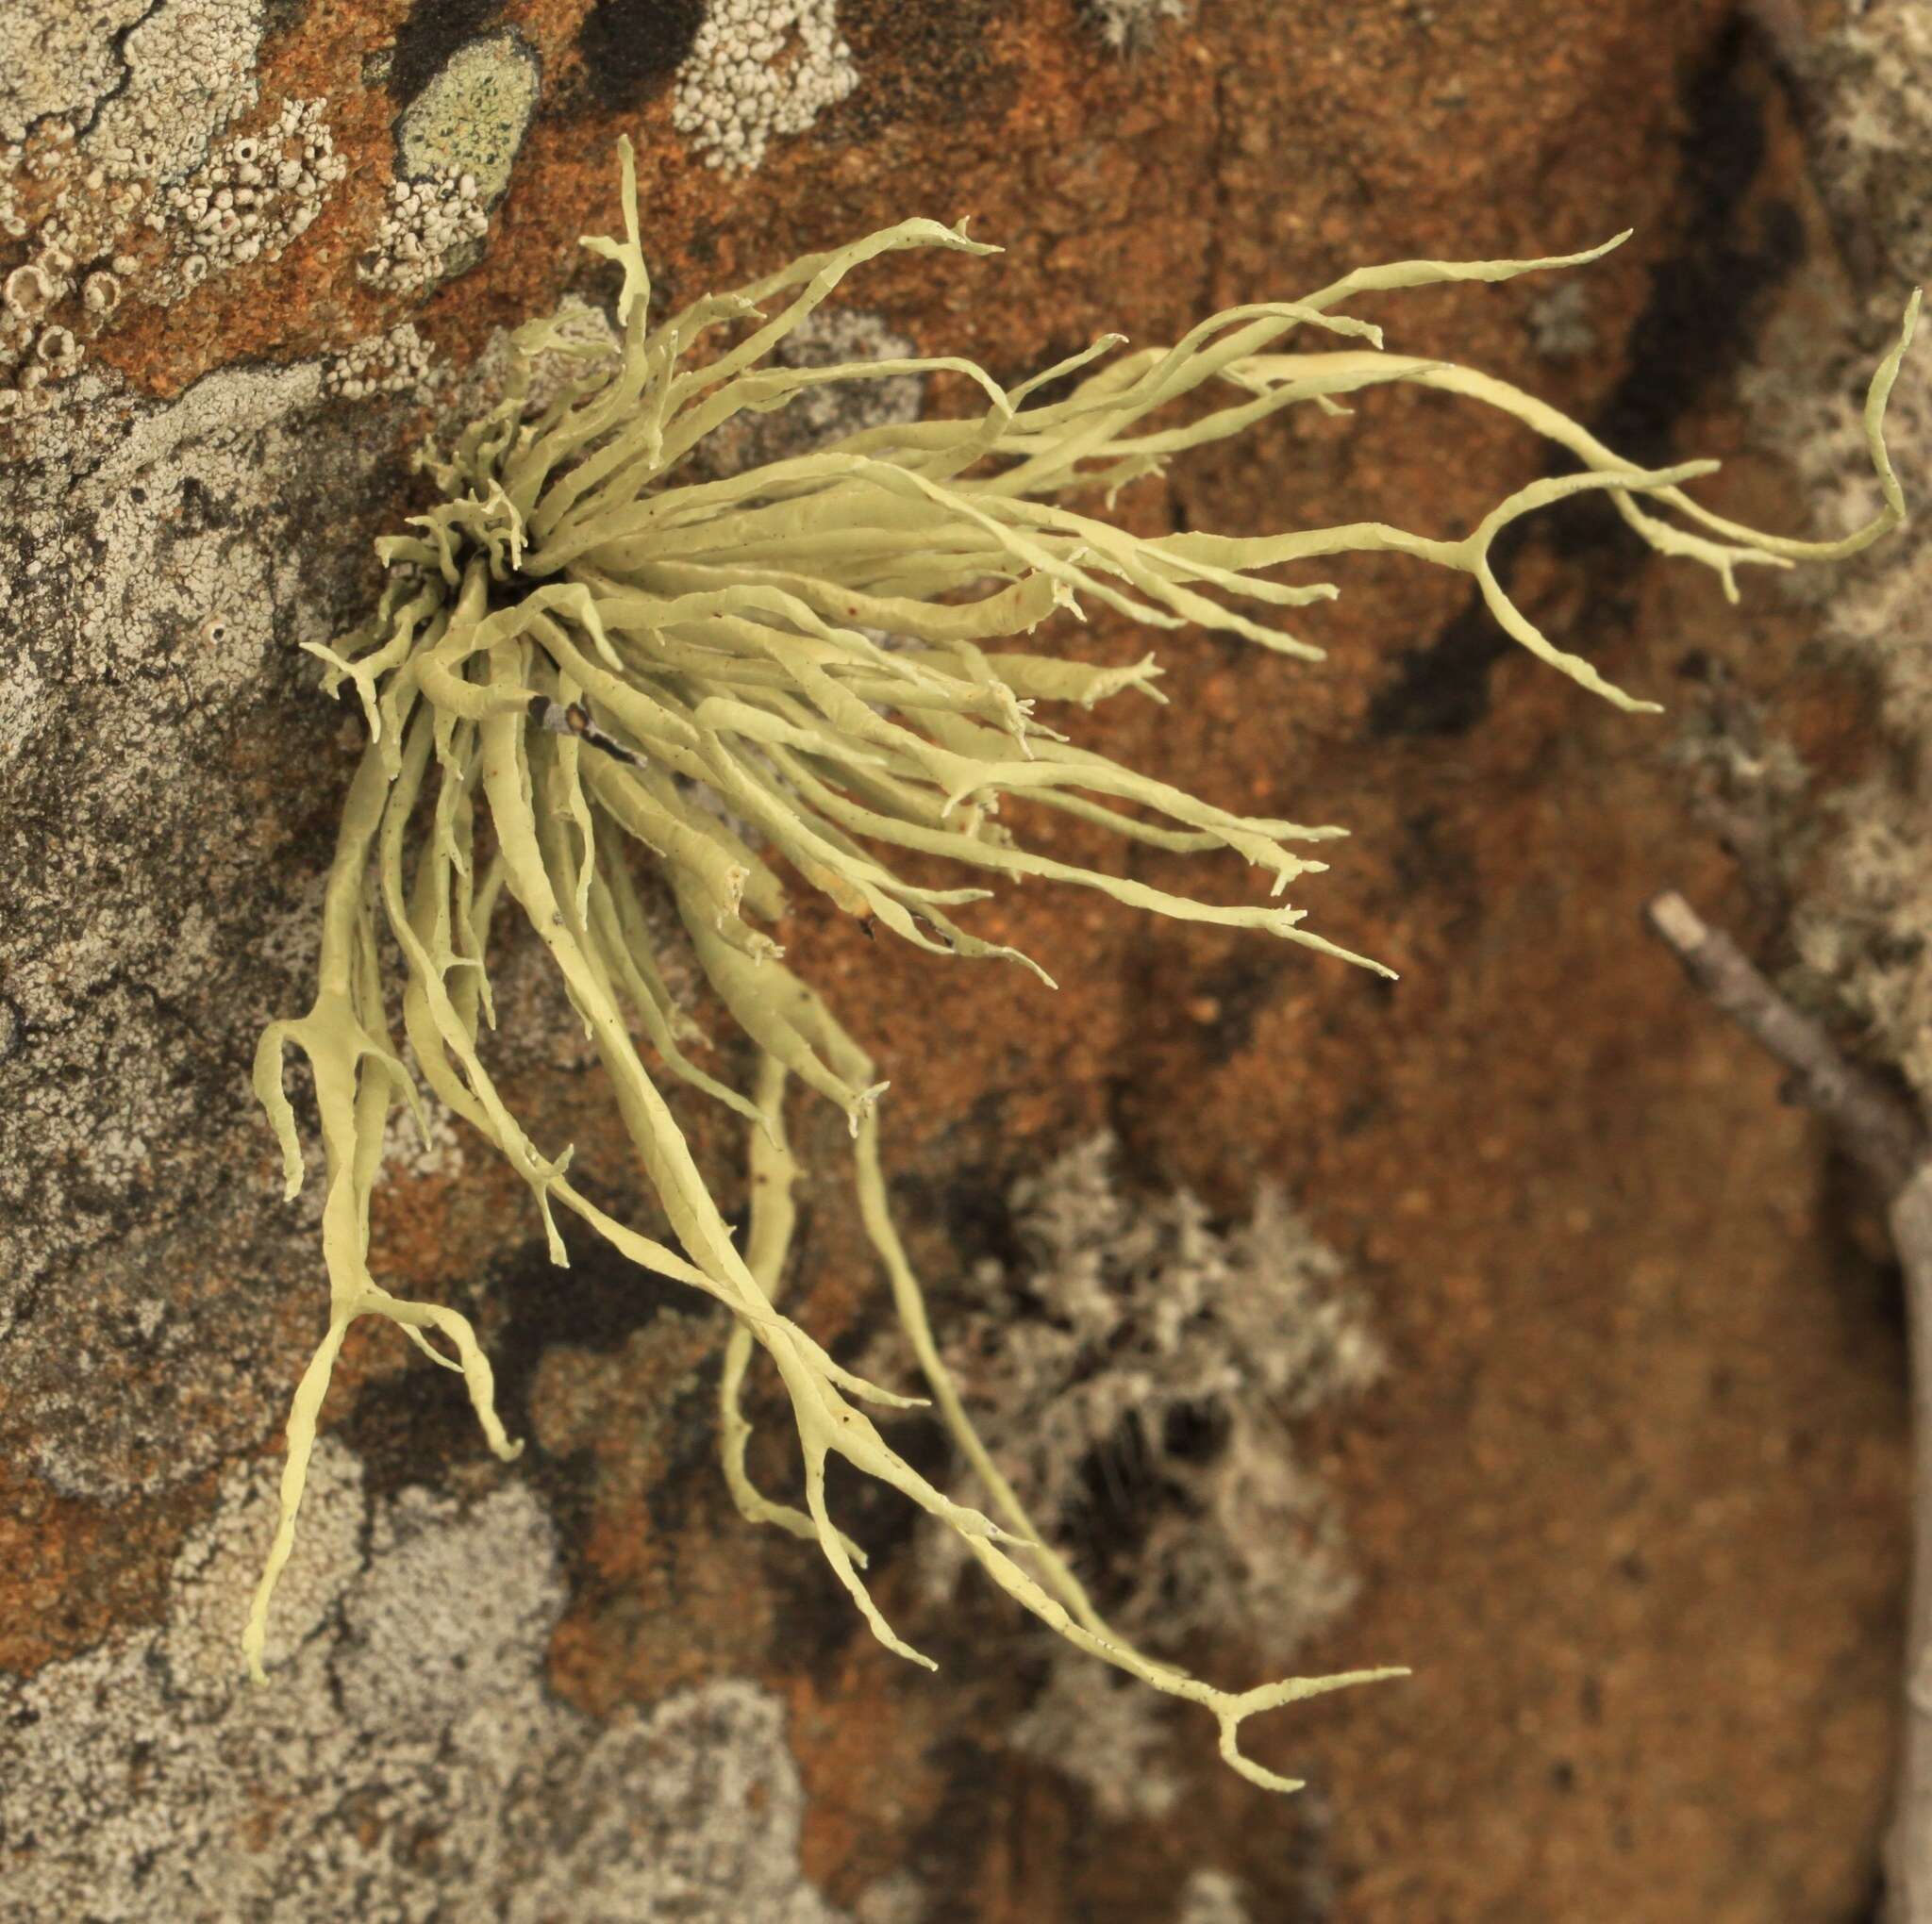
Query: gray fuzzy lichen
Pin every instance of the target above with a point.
(1138, 1377)
(1849, 873)
(1131, 26)
(1144, 1368)
(1212, 1896)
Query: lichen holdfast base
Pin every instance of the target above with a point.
(576, 638)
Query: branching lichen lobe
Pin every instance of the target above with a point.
(583, 635)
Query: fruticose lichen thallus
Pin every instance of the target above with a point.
(580, 638)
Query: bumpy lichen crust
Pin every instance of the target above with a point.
(578, 634)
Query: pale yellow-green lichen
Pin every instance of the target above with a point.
(578, 636)
(471, 116)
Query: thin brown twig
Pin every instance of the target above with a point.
(1879, 1128)
(1908, 1838)
(1881, 1131)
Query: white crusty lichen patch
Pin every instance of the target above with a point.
(757, 68)
(398, 362)
(58, 59)
(432, 225)
(134, 165)
(161, 565)
(1870, 130)
(1212, 1896)
(252, 197)
(187, 74)
(145, 1780)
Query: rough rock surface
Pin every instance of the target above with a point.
(1630, 1493)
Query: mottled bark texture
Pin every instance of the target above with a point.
(1630, 1488)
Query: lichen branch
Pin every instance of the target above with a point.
(586, 659)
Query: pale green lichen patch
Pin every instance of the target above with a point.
(586, 657)
(472, 117)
